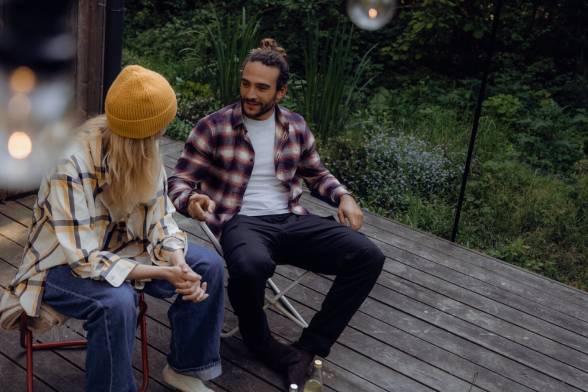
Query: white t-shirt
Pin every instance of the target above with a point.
(265, 194)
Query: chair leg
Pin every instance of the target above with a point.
(28, 339)
(142, 320)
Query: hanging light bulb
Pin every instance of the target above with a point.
(371, 14)
(36, 90)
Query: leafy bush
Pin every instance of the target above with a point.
(195, 100)
(387, 170)
(179, 129)
(550, 140)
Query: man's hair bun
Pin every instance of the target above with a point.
(272, 44)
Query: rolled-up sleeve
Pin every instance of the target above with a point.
(164, 235)
(320, 181)
(192, 166)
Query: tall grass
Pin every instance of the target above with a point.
(331, 80)
(231, 40)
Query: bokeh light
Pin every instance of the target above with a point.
(19, 145)
(22, 80)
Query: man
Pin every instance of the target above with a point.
(241, 171)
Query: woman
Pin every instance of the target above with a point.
(102, 227)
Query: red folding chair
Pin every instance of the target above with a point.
(26, 341)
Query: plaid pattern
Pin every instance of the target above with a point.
(72, 225)
(218, 159)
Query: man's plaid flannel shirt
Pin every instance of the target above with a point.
(218, 159)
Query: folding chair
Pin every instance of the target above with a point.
(26, 341)
(278, 300)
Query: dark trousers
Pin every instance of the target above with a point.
(253, 246)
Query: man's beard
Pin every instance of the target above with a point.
(263, 108)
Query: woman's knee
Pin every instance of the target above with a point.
(120, 301)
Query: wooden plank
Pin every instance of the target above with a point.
(430, 331)
(336, 377)
(480, 336)
(13, 230)
(69, 377)
(426, 244)
(504, 297)
(548, 295)
(526, 321)
(365, 322)
(13, 377)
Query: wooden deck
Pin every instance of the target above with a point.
(441, 318)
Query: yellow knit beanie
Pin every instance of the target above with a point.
(139, 103)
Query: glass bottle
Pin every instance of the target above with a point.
(315, 382)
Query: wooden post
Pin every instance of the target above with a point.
(89, 19)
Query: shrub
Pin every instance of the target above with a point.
(387, 170)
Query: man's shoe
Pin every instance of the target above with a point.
(183, 382)
(278, 356)
(299, 371)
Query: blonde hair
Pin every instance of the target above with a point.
(134, 167)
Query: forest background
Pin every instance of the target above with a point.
(392, 109)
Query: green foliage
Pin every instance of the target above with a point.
(401, 146)
(550, 139)
(195, 100)
(330, 81)
(390, 170)
(231, 39)
(178, 129)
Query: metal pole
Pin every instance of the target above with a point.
(113, 42)
(476, 123)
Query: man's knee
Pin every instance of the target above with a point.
(371, 258)
(250, 266)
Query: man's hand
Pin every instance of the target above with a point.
(187, 283)
(199, 206)
(349, 212)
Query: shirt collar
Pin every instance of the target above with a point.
(237, 117)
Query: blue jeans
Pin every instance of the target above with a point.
(110, 315)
